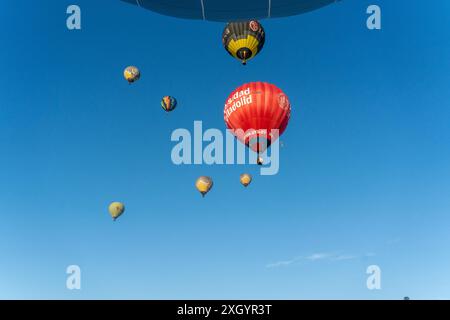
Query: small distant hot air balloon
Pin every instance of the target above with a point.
(253, 111)
(116, 209)
(168, 103)
(131, 74)
(246, 179)
(204, 184)
(243, 40)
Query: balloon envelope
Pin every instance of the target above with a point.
(254, 112)
(230, 10)
(243, 40)
(116, 209)
(204, 184)
(131, 74)
(246, 179)
(168, 103)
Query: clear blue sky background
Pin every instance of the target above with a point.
(364, 176)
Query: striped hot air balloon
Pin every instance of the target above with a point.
(253, 111)
(168, 103)
(243, 40)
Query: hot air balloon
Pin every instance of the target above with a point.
(204, 184)
(243, 40)
(253, 110)
(131, 74)
(168, 103)
(246, 179)
(116, 209)
(230, 10)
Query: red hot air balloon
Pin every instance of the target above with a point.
(257, 108)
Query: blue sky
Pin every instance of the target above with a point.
(364, 175)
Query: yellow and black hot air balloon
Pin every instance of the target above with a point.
(246, 179)
(116, 209)
(131, 74)
(243, 40)
(204, 184)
